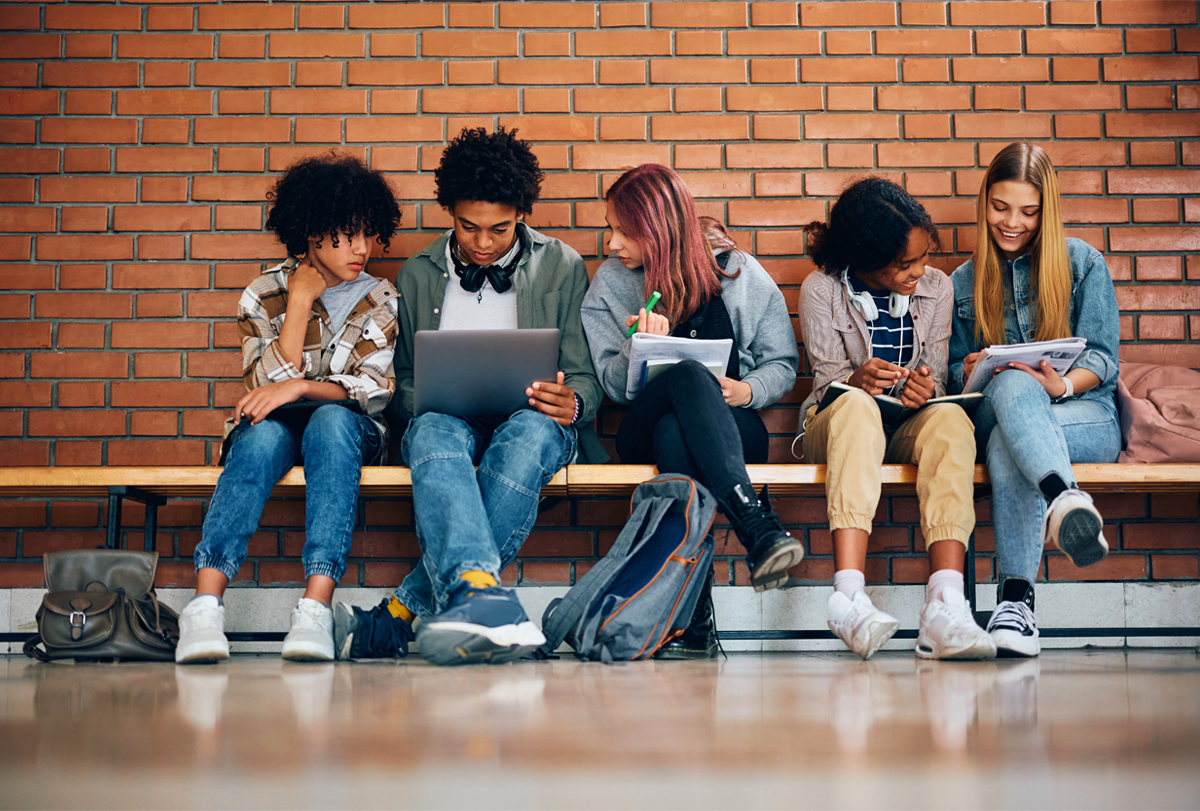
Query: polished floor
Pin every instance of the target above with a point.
(1073, 729)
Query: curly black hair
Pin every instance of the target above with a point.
(868, 228)
(332, 194)
(492, 168)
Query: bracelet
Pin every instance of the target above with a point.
(578, 409)
(1069, 393)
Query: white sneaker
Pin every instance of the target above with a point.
(858, 623)
(1073, 525)
(311, 636)
(949, 631)
(202, 632)
(1014, 630)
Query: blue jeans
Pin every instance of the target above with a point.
(470, 519)
(334, 443)
(1026, 438)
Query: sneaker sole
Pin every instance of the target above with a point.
(771, 572)
(1010, 644)
(879, 633)
(1079, 538)
(447, 644)
(202, 655)
(303, 652)
(983, 648)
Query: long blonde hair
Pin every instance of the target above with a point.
(1050, 270)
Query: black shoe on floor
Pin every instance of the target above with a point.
(373, 634)
(699, 640)
(770, 549)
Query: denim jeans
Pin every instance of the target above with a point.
(681, 423)
(334, 443)
(469, 519)
(1026, 438)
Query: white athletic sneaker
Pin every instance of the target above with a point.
(858, 623)
(949, 631)
(202, 632)
(1073, 525)
(1014, 630)
(311, 636)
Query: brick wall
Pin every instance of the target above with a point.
(138, 141)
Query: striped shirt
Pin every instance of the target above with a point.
(358, 356)
(891, 338)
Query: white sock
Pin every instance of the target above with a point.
(849, 582)
(941, 580)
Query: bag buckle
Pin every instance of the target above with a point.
(77, 624)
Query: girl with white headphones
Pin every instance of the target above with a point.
(875, 318)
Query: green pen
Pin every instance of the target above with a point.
(654, 297)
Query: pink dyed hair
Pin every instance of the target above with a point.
(657, 210)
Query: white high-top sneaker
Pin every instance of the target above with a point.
(1073, 525)
(858, 623)
(949, 631)
(311, 636)
(202, 632)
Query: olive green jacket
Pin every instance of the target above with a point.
(550, 281)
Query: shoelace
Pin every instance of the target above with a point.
(388, 634)
(306, 619)
(1011, 616)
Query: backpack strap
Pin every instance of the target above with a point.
(564, 615)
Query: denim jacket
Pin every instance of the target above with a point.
(1093, 315)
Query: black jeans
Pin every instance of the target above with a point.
(680, 423)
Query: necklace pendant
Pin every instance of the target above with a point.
(479, 298)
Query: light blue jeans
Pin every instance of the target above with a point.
(470, 519)
(1027, 438)
(334, 443)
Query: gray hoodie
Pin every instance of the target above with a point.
(766, 343)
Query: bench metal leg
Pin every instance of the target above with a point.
(116, 495)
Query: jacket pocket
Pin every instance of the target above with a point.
(546, 312)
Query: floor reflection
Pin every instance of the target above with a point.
(784, 717)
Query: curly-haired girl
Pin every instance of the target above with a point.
(877, 320)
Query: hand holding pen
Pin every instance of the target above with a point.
(876, 376)
(647, 321)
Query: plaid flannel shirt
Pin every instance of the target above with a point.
(358, 357)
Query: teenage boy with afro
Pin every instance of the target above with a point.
(490, 271)
(318, 336)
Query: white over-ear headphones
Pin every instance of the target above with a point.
(897, 304)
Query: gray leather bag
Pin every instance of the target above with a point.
(101, 605)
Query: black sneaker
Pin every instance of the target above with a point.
(479, 626)
(1013, 626)
(770, 549)
(373, 634)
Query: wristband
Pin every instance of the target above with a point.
(1069, 393)
(578, 409)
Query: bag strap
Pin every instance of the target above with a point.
(32, 650)
(563, 616)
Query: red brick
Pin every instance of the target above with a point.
(160, 305)
(89, 74)
(1166, 567)
(158, 334)
(165, 46)
(923, 41)
(1001, 125)
(75, 248)
(697, 71)
(1149, 40)
(1000, 69)
(1151, 125)
(1076, 69)
(1154, 239)
(241, 74)
(820, 127)
(546, 572)
(317, 46)
(1161, 328)
(76, 423)
(157, 364)
(460, 43)
(21, 575)
(1072, 12)
(82, 18)
(22, 514)
(619, 156)
(557, 543)
(385, 574)
(1153, 181)
(1151, 68)
(755, 99)
(135, 452)
(626, 99)
(89, 131)
(161, 218)
(710, 14)
(763, 14)
(998, 12)
(700, 128)
(246, 17)
(1073, 97)
(235, 188)
(166, 74)
(903, 97)
(697, 43)
(622, 43)
(829, 70)
(775, 212)
(1160, 536)
(1157, 210)
(842, 14)
(37, 544)
(1139, 12)
(1058, 41)
(767, 43)
(622, 14)
(1159, 268)
(414, 128)
(79, 395)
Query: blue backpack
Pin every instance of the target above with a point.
(644, 591)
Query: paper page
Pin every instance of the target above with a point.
(1059, 354)
(657, 348)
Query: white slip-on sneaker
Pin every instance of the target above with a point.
(949, 631)
(202, 632)
(1073, 525)
(311, 636)
(858, 623)
(1014, 630)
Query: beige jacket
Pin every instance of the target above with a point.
(837, 340)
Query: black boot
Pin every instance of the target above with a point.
(699, 641)
(770, 549)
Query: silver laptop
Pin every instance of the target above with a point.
(484, 372)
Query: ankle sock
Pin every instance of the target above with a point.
(1051, 485)
(849, 582)
(399, 610)
(941, 580)
(220, 600)
(478, 579)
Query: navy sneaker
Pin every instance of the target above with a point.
(479, 626)
(373, 634)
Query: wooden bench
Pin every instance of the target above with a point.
(154, 485)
